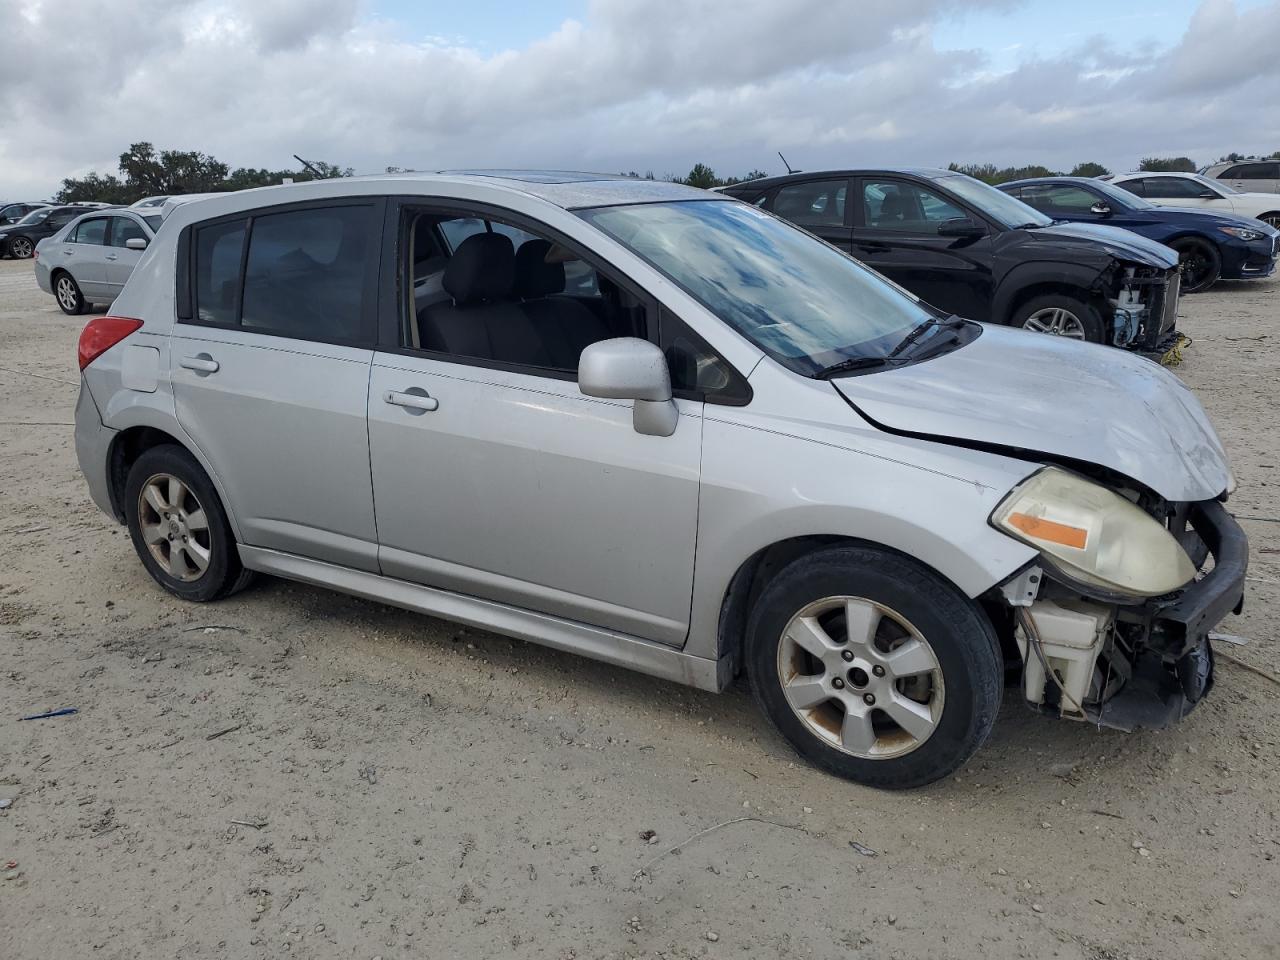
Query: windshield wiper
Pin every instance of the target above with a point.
(855, 363)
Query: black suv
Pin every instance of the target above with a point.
(18, 240)
(12, 211)
(969, 249)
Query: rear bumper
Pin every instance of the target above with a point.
(42, 275)
(93, 448)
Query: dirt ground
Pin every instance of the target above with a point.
(297, 773)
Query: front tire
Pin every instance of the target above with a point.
(67, 292)
(21, 248)
(1271, 219)
(1061, 316)
(179, 528)
(1200, 263)
(873, 667)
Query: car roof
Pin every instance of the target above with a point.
(1082, 181)
(923, 173)
(1156, 173)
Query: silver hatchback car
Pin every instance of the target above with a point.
(662, 428)
(89, 260)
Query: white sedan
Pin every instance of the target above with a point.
(1195, 192)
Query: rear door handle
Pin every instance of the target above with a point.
(112, 256)
(203, 363)
(415, 399)
(872, 247)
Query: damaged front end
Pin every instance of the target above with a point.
(1126, 663)
(1144, 307)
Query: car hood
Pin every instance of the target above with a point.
(1214, 219)
(1118, 242)
(1033, 395)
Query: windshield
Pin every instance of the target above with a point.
(1216, 185)
(1121, 196)
(798, 299)
(996, 204)
(35, 216)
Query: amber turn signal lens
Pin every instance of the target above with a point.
(1043, 529)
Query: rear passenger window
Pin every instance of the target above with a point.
(305, 273)
(219, 249)
(819, 203)
(90, 231)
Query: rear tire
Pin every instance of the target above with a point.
(179, 527)
(1200, 263)
(910, 676)
(1063, 316)
(67, 292)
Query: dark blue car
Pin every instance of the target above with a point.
(1210, 246)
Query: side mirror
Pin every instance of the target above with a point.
(628, 368)
(1101, 209)
(961, 227)
(136, 243)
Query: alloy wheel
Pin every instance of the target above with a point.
(174, 527)
(67, 297)
(1272, 220)
(1196, 267)
(861, 677)
(1056, 320)
(21, 247)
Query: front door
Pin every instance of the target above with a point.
(494, 476)
(120, 260)
(896, 232)
(271, 372)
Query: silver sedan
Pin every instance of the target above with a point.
(89, 260)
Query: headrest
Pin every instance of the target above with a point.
(482, 268)
(534, 276)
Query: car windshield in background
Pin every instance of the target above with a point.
(1118, 196)
(35, 216)
(1216, 185)
(800, 300)
(999, 206)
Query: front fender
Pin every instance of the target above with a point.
(1027, 275)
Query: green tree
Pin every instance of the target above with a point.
(701, 176)
(95, 186)
(1089, 169)
(990, 173)
(1167, 165)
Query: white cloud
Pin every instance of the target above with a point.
(655, 85)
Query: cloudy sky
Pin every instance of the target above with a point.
(632, 84)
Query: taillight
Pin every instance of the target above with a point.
(101, 334)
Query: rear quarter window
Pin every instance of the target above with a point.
(219, 251)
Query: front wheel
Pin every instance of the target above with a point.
(1200, 263)
(1271, 219)
(21, 248)
(67, 292)
(874, 667)
(1061, 316)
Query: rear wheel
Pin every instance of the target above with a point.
(179, 528)
(874, 667)
(67, 292)
(1061, 316)
(21, 248)
(1200, 263)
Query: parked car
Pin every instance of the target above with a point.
(12, 212)
(156, 201)
(18, 240)
(739, 450)
(89, 260)
(971, 250)
(1209, 245)
(1257, 175)
(1195, 192)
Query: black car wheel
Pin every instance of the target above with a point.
(874, 667)
(1200, 263)
(1061, 316)
(1271, 219)
(67, 292)
(21, 248)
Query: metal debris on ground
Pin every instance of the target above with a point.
(862, 848)
(1230, 638)
(66, 712)
(222, 733)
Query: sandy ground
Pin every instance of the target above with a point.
(405, 788)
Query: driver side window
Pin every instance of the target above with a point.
(896, 206)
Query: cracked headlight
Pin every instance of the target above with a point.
(1093, 535)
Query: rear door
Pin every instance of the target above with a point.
(1261, 177)
(120, 260)
(820, 206)
(84, 255)
(271, 356)
(896, 232)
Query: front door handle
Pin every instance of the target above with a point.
(67, 253)
(415, 400)
(112, 256)
(201, 363)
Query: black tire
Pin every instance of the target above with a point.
(961, 638)
(1083, 315)
(223, 575)
(1271, 219)
(21, 248)
(1200, 263)
(67, 292)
